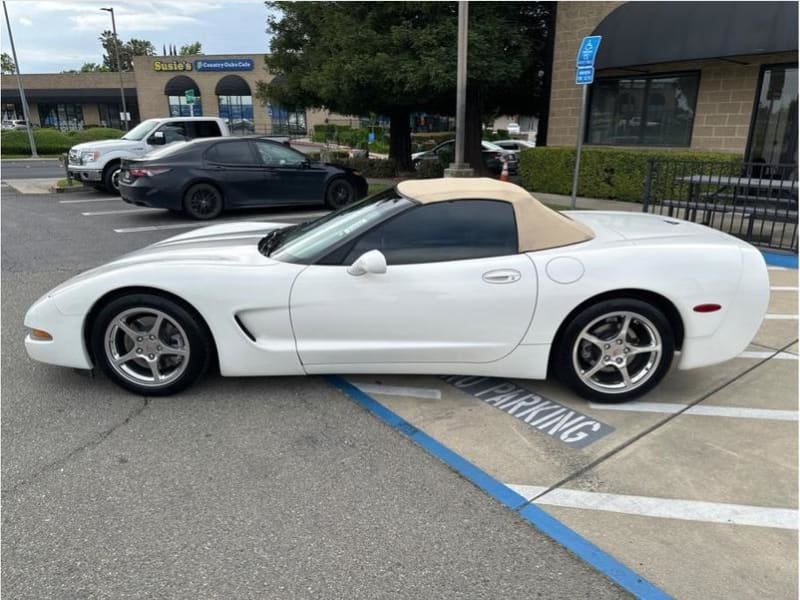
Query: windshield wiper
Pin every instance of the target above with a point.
(270, 241)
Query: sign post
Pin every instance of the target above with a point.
(189, 96)
(584, 75)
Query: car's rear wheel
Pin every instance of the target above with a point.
(340, 193)
(150, 345)
(203, 201)
(111, 178)
(615, 350)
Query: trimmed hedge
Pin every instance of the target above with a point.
(608, 173)
(52, 141)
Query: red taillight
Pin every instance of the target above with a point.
(147, 171)
(706, 308)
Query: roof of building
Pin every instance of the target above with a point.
(538, 227)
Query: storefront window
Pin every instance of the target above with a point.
(178, 107)
(61, 116)
(643, 111)
(774, 134)
(286, 121)
(238, 113)
(12, 111)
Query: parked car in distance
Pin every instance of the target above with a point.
(15, 124)
(493, 156)
(98, 163)
(516, 146)
(513, 128)
(204, 177)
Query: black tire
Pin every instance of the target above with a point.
(340, 192)
(180, 330)
(111, 177)
(203, 202)
(611, 354)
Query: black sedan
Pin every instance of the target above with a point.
(206, 176)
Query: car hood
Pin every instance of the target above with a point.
(108, 145)
(234, 244)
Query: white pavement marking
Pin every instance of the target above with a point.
(117, 199)
(392, 390)
(702, 410)
(773, 317)
(777, 269)
(198, 224)
(761, 354)
(121, 212)
(784, 288)
(665, 508)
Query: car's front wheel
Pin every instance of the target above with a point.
(203, 201)
(615, 350)
(150, 345)
(340, 193)
(111, 178)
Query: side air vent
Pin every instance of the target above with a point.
(244, 329)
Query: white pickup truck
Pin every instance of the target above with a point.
(98, 163)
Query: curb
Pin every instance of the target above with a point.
(67, 190)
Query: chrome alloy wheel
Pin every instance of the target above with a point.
(617, 352)
(147, 347)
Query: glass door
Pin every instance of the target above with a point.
(773, 138)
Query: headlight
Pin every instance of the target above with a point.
(90, 155)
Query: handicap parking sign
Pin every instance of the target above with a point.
(588, 50)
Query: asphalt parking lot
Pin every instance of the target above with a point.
(240, 488)
(288, 488)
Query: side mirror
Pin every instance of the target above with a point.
(157, 139)
(369, 262)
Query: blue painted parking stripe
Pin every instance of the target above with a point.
(550, 526)
(780, 260)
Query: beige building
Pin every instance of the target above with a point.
(221, 85)
(698, 75)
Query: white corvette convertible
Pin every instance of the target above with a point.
(451, 276)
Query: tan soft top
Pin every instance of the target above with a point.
(538, 227)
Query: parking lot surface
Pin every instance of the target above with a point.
(238, 488)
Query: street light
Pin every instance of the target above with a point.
(22, 97)
(459, 168)
(119, 67)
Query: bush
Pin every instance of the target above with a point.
(426, 141)
(371, 167)
(52, 141)
(345, 135)
(609, 173)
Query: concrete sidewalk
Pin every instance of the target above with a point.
(32, 186)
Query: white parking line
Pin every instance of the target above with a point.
(784, 288)
(702, 410)
(112, 199)
(391, 390)
(121, 212)
(762, 354)
(664, 508)
(198, 224)
(777, 269)
(780, 317)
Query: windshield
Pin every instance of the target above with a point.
(140, 131)
(491, 146)
(303, 243)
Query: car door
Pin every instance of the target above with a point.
(289, 176)
(234, 165)
(455, 291)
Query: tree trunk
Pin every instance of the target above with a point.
(473, 134)
(400, 139)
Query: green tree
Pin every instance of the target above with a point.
(127, 50)
(7, 65)
(189, 49)
(395, 58)
(91, 67)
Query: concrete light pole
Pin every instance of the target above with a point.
(119, 67)
(459, 168)
(22, 97)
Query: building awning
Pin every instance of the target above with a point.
(647, 33)
(232, 85)
(179, 84)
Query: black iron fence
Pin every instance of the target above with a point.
(756, 202)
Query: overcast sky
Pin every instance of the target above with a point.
(53, 36)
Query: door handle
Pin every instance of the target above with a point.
(502, 276)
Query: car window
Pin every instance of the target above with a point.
(278, 155)
(508, 145)
(174, 132)
(232, 153)
(204, 129)
(443, 231)
(448, 147)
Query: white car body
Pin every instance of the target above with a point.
(88, 160)
(421, 318)
(513, 128)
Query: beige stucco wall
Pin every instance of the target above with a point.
(574, 21)
(91, 114)
(54, 81)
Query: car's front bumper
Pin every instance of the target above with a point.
(67, 348)
(84, 174)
